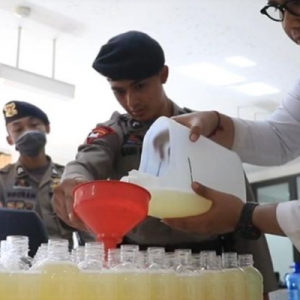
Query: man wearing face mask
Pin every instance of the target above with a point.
(28, 184)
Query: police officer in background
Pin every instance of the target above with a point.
(134, 65)
(28, 184)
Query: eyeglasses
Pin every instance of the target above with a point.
(276, 11)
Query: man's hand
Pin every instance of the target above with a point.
(200, 123)
(217, 127)
(63, 202)
(221, 218)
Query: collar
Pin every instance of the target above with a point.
(21, 171)
(177, 110)
(138, 125)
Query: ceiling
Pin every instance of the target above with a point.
(190, 31)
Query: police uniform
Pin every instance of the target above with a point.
(32, 189)
(113, 148)
(20, 190)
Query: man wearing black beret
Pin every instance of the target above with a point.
(134, 65)
(28, 184)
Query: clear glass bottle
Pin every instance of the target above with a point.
(60, 276)
(40, 255)
(183, 261)
(162, 278)
(17, 258)
(94, 257)
(212, 279)
(254, 278)
(21, 283)
(113, 258)
(204, 255)
(234, 277)
(79, 254)
(132, 281)
(96, 281)
(186, 274)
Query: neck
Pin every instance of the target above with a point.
(167, 109)
(31, 163)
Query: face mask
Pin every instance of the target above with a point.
(31, 143)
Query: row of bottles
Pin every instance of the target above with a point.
(125, 274)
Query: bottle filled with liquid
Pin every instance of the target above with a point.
(60, 276)
(162, 278)
(235, 277)
(293, 283)
(132, 281)
(254, 278)
(18, 282)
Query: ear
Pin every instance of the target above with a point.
(164, 74)
(9, 140)
(47, 129)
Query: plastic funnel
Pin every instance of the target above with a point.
(110, 208)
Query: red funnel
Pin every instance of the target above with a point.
(110, 208)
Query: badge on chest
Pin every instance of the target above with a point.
(132, 145)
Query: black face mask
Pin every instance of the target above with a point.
(31, 143)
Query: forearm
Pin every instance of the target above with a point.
(265, 219)
(225, 135)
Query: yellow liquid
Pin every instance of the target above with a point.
(99, 285)
(19, 285)
(235, 283)
(212, 284)
(3, 285)
(162, 285)
(254, 283)
(189, 287)
(133, 285)
(59, 281)
(176, 204)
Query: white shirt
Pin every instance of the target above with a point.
(275, 142)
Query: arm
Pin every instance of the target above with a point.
(274, 141)
(94, 161)
(265, 219)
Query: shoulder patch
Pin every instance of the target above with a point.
(99, 132)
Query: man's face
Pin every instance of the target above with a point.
(142, 99)
(18, 127)
(291, 23)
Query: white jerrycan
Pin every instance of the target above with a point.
(171, 162)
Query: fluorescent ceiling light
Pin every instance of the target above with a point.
(240, 61)
(255, 89)
(24, 79)
(210, 74)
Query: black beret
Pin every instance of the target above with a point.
(15, 110)
(130, 56)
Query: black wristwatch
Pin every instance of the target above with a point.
(245, 227)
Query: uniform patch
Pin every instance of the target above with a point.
(136, 124)
(20, 171)
(135, 139)
(10, 110)
(23, 205)
(98, 132)
(22, 184)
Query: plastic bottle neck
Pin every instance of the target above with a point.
(229, 260)
(246, 261)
